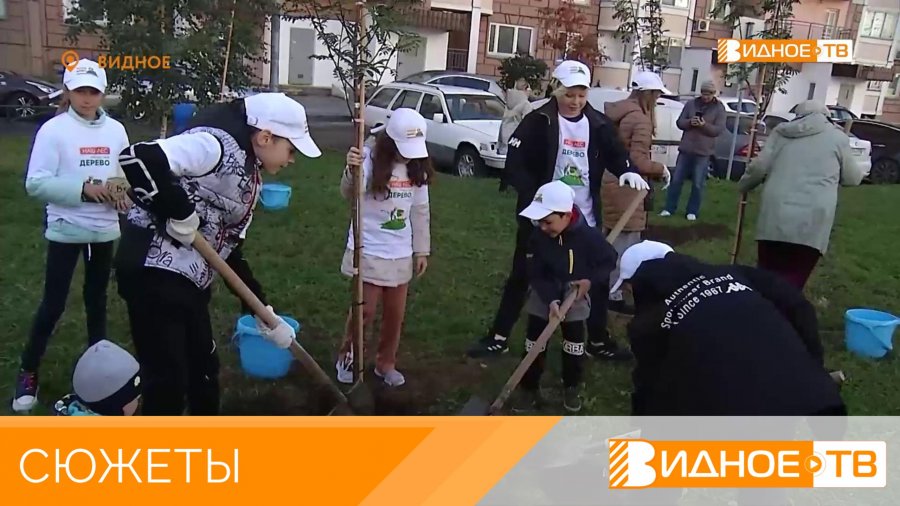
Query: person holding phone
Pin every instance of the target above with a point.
(702, 120)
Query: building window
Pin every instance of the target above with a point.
(878, 25)
(70, 5)
(681, 4)
(2, 9)
(812, 91)
(726, 9)
(694, 76)
(873, 86)
(509, 40)
(894, 87)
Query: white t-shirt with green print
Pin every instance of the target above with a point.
(572, 165)
(387, 232)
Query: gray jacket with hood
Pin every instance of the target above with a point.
(801, 167)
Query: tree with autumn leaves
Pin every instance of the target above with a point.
(567, 30)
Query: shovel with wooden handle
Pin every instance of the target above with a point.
(476, 406)
(260, 310)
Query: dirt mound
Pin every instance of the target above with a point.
(674, 236)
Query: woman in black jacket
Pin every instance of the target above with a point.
(567, 140)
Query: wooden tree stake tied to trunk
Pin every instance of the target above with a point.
(358, 190)
(227, 53)
(742, 205)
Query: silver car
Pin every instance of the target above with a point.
(459, 79)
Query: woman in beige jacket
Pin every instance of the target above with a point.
(636, 120)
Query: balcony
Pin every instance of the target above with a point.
(810, 31)
(862, 72)
(420, 17)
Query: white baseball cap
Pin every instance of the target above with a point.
(284, 117)
(553, 197)
(85, 73)
(635, 256)
(649, 81)
(573, 73)
(407, 128)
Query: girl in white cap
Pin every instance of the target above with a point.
(74, 155)
(207, 180)
(396, 233)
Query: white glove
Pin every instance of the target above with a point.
(633, 180)
(184, 230)
(667, 177)
(281, 336)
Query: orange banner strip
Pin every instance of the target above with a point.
(232, 460)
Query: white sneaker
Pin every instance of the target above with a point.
(665, 213)
(391, 378)
(692, 217)
(344, 367)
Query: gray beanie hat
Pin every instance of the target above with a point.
(708, 86)
(106, 378)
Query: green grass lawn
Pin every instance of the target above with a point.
(296, 254)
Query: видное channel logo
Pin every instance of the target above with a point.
(638, 463)
(784, 51)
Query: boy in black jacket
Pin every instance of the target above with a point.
(568, 140)
(563, 253)
(714, 340)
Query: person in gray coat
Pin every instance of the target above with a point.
(702, 120)
(801, 167)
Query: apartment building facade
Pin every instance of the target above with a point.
(863, 86)
(33, 36)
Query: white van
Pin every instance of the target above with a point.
(668, 135)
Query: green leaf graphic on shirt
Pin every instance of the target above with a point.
(397, 221)
(572, 176)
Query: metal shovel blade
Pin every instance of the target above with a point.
(475, 406)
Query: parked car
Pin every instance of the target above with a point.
(722, 150)
(862, 149)
(463, 123)
(668, 135)
(885, 139)
(460, 79)
(25, 96)
(745, 105)
(837, 112)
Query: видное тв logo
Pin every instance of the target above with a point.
(638, 463)
(784, 51)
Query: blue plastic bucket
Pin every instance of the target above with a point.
(868, 332)
(275, 195)
(259, 357)
(181, 115)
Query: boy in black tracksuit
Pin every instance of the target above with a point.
(535, 152)
(722, 340)
(564, 253)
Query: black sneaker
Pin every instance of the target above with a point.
(608, 351)
(619, 306)
(488, 346)
(572, 399)
(526, 401)
(26, 392)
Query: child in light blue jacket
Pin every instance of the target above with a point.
(74, 156)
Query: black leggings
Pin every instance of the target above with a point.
(172, 333)
(61, 261)
(572, 353)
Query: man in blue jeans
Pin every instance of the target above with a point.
(702, 120)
